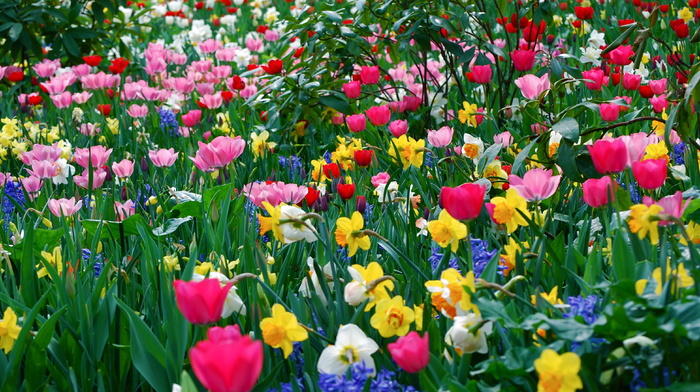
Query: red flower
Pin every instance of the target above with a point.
(331, 170)
(312, 195)
(262, 29)
(118, 65)
(92, 61)
(584, 12)
(297, 53)
(16, 76)
(273, 67)
(238, 83)
(463, 202)
(34, 100)
(227, 96)
(105, 109)
(346, 191)
(363, 157)
(645, 91)
(609, 156)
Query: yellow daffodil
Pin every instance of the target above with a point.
(9, 330)
(410, 151)
(392, 317)
(558, 373)
(641, 222)
(280, 330)
(360, 289)
(447, 230)
(348, 232)
(54, 259)
(271, 223)
(449, 295)
(656, 151)
(260, 145)
(552, 297)
(172, 263)
(681, 277)
(468, 114)
(509, 258)
(317, 172)
(510, 210)
(693, 230)
(418, 312)
(494, 172)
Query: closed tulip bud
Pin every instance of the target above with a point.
(361, 204)
(650, 173)
(201, 302)
(363, 158)
(321, 204)
(411, 352)
(144, 165)
(463, 202)
(598, 192)
(346, 191)
(609, 156)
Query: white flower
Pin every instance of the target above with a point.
(242, 58)
(351, 346)
(591, 55)
(473, 147)
(460, 338)
(305, 290)
(596, 39)
(387, 193)
(64, 171)
(200, 31)
(355, 291)
(233, 302)
(295, 231)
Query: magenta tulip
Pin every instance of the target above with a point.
(463, 202)
(609, 156)
(201, 302)
(411, 352)
(597, 192)
(651, 173)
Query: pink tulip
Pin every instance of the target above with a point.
(504, 138)
(210, 46)
(598, 192)
(99, 80)
(379, 115)
(440, 138)
(352, 89)
(621, 55)
(658, 87)
(523, 60)
(463, 202)
(82, 97)
(531, 86)
(482, 73)
(672, 205)
(650, 173)
(46, 68)
(412, 102)
(98, 179)
(356, 122)
(228, 361)
(636, 144)
(31, 184)
(212, 101)
(95, 156)
(536, 184)
(609, 111)
(609, 156)
(41, 152)
(274, 193)
(64, 207)
(183, 85)
(369, 75)
(631, 81)
(123, 169)
(380, 178)
(125, 210)
(89, 129)
(201, 302)
(163, 157)
(63, 100)
(659, 104)
(44, 169)
(398, 127)
(411, 352)
(219, 153)
(137, 111)
(596, 79)
(192, 118)
(205, 89)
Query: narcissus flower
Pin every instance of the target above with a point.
(447, 230)
(9, 330)
(365, 285)
(510, 210)
(409, 151)
(558, 373)
(280, 330)
(348, 232)
(392, 317)
(681, 276)
(641, 222)
(449, 295)
(468, 114)
(463, 339)
(286, 223)
(351, 346)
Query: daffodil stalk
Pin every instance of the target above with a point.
(371, 285)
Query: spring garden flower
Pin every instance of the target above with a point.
(280, 330)
(510, 211)
(449, 295)
(468, 334)
(349, 232)
(9, 330)
(392, 317)
(351, 346)
(642, 221)
(367, 283)
(447, 231)
(558, 373)
(407, 150)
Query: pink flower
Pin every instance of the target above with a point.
(163, 157)
(192, 118)
(228, 361)
(89, 129)
(125, 210)
(356, 122)
(596, 79)
(44, 169)
(673, 205)
(31, 184)
(482, 73)
(41, 152)
(352, 89)
(536, 184)
(63, 100)
(380, 178)
(659, 104)
(440, 138)
(631, 81)
(636, 144)
(212, 101)
(609, 156)
(658, 87)
(621, 55)
(412, 102)
(523, 60)
(46, 68)
(98, 179)
(531, 86)
(398, 127)
(82, 97)
(137, 111)
(597, 192)
(379, 115)
(219, 153)
(274, 193)
(650, 173)
(369, 75)
(210, 46)
(95, 156)
(609, 111)
(64, 207)
(123, 169)
(463, 202)
(411, 352)
(504, 138)
(201, 302)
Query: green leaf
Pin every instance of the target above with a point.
(333, 16)
(110, 229)
(170, 226)
(15, 30)
(622, 258)
(43, 337)
(186, 383)
(337, 103)
(568, 127)
(631, 28)
(520, 158)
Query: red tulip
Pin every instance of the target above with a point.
(227, 362)
(273, 67)
(363, 158)
(609, 156)
(411, 352)
(346, 191)
(92, 61)
(201, 302)
(463, 202)
(331, 170)
(651, 173)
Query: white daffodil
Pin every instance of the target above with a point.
(233, 302)
(463, 340)
(305, 289)
(387, 192)
(295, 231)
(351, 346)
(64, 171)
(473, 147)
